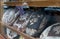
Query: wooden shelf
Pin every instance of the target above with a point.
(13, 3)
(19, 32)
(36, 3)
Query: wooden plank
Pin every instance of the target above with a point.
(41, 0)
(0, 17)
(36, 3)
(1, 14)
(13, 3)
(1, 10)
(44, 4)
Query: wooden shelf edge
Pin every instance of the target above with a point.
(36, 3)
(13, 3)
(18, 32)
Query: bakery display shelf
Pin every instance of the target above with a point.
(35, 3)
(19, 32)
